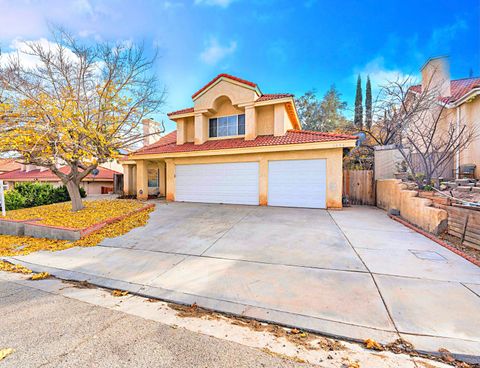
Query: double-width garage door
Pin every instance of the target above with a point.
(291, 183)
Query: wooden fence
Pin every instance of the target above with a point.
(464, 223)
(359, 186)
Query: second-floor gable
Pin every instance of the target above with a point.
(230, 107)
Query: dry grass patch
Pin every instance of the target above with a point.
(60, 214)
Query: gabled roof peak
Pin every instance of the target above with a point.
(226, 76)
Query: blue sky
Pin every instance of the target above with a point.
(283, 45)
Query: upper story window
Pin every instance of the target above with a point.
(227, 126)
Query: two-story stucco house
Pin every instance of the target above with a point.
(238, 145)
(462, 107)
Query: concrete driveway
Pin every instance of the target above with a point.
(353, 273)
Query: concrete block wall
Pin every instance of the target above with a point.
(392, 194)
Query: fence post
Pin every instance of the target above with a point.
(2, 198)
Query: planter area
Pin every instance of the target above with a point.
(51, 222)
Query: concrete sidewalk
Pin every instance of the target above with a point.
(353, 273)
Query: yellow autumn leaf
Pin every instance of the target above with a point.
(119, 293)
(40, 276)
(372, 344)
(5, 352)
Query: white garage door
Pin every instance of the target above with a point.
(297, 183)
(235, 183)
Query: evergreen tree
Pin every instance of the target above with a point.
(322, 115)
(358, 117)
(368, 105)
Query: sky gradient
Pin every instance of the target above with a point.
(282, 45)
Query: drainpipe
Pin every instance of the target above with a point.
(457, 154)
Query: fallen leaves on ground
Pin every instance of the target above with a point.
(10, 267)
(40, 276)
(373, 345)
(400, 346)
(5, 352)
(294, 335)
(192, 311)
(119, 293)
(22, 245)
(60, 214)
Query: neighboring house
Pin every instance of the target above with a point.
(102, 183)
(462, 104)
(8, 164)
(238, 145)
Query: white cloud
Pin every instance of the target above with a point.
(221, 3)
(20, 49)
(380, 74)
(215, 52)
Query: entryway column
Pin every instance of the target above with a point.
(142, 180)
(127, 180)
(170, 196)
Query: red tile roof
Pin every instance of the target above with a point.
(182, 111)
(8, 164)
(232, 77)
(22, 175)
(168, 144)
(273, 96)
(458, 88)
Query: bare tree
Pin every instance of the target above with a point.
(76, 105)
(418, 122)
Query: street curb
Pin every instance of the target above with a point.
(436, 240)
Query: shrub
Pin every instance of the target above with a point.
(13, 200)
(25, 195)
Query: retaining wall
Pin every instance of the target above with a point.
(392, 194)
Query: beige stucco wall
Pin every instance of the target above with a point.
(393, 194)
(236, 93)
(190, 129)
(265, 118)
(95, 187)
(470, 115)
(224, 107)
(332, 155)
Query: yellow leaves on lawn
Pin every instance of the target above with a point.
(9, 267)
(119, 293)
(22, 245)
(5, 352)
(60, 214)
(40, 276)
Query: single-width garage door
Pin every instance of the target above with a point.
(297, 183)
(235, 183)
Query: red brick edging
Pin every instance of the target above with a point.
(99, 225)
(436, 240)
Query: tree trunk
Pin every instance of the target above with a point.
(74, 192)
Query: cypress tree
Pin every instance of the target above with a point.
(368, 104)
(358, 117)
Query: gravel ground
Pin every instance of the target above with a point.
(48, 330)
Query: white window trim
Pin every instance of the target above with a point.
(224, 136)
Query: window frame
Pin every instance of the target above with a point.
(216, 129)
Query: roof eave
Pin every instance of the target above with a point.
(341, 143)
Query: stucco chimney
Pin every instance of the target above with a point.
(151, 131)
(436, 76)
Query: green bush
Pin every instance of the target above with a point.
(25, 195)
(13, 200)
